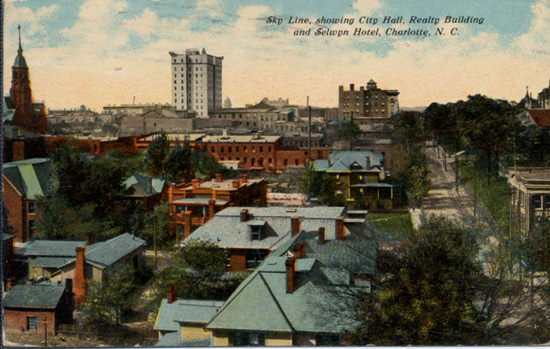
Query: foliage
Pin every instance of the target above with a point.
(408, 128)
(199, 272)
(180, 164)
(156, 230)
(206, 165)
(319, 184)
(349, 130)
(416, 177)
(132, 163)
(430, 297)
(108, 302)
(157, 155)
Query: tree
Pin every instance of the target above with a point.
(157, 155)
(416, 176)
(430, 297)
(206, 165)
(349, 130)
(108, 302)
(319, 184)
(180, 164)
(408, 128)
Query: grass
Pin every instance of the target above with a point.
(494, 196)
(399, 224)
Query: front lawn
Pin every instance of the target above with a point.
(399, 224)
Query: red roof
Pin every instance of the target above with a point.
(541, 117)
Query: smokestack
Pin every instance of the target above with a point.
(300, 250)
(80, 292)
(244, 215)
(187, 223)
(90, 239)
(322, 235)
(211, 206)
(172, 294)
(219, 177)
(196, 183)
(295, 225)
(291, 279)
(340, 231)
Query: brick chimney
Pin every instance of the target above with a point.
(236, 184)
(187, 223)
(300, 250)
(291, 277)
(219, 177)
(322, 235)
(295, 225)
(11, 283)
(172, 294)
(90, 239)
(196, 183)
(80, 292)
(211, 206)
(340, 231)
(244, 215)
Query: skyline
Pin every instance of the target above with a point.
(101, 52)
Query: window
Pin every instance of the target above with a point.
(536, 201)
(32, 227)
(221, 150)
(241, 339)
(237, 148)
(32, 206)
(32, 323)
(261, 149)
(229, 149)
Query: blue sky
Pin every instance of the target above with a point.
(98, 52)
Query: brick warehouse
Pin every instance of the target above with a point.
(192, 205)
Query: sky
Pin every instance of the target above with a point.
(102, 52)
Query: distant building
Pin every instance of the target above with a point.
(24, 182)
(249, 234)
(359, 175)
(38, 307)
(196, 81)
(301, 295)
(21, 115)
(137, 109)
(191, 205)
(542, 101)
(146, 189)
(368, 102)
(530, 198)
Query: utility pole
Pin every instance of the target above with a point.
(351, 132)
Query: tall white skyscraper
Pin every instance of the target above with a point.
(196, 81)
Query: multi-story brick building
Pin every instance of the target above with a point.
(196, 81)
(24, 181)
(368, 102)
(192, 205)
(530, 198)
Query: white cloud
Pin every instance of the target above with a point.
(366, 7)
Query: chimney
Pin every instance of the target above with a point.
(80, 292)
(172, 294)
(295, 225)
(236, 184)
(322, 235)
(291, 279)
(187, 223)
(219, 177)
(11, 283)
(244, 215)
(170, 191)
(90, 239)
(211, 206)
(196, 183)
(340, 231)
(300, 250)
(351, 87)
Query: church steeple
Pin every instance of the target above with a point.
(20, 59)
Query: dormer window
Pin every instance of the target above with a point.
(255, 232)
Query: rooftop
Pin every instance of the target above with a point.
(31, 177)
(541, 117)
(42, 295)
(241, 139)
(351, 160)
(144, 185)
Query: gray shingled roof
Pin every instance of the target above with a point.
(342, 161)
(323, 301)
(45, 296)
(51, 262)
(50, 248)
(31, 177)
(144, 185)
(112, 250)
(185, 311)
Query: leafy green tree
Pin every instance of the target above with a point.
(206, 165)
(110, 301)
(157, 155)
(180, 164)
(320, 184)
(349, 130)
(408, 127)
(417, 176)
(429, 299)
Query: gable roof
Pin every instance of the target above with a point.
(541, 117)
(351, 160)
(109, 252)
(31, 177)
(50, 248)
(43, 295)
(319, 304)
(144, 185)
(185, 311)
(227, 231)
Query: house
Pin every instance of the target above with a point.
(249, 234)
(539, 117)
(303, 294)
(58, 260)
(191, 205)
(182, 322)
(24, 182)
(530, 198)
(146, 189)
(31, 307)
(359, 175)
